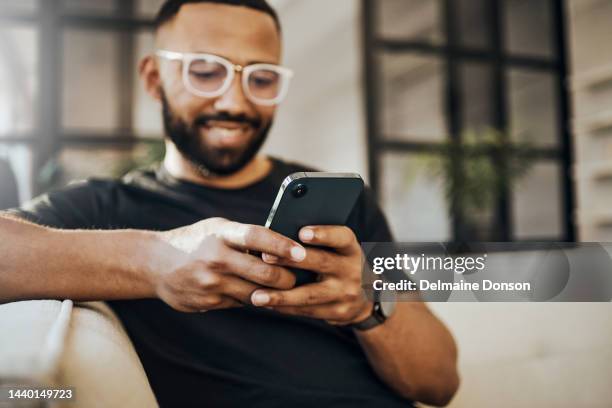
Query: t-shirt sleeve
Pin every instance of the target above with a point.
(81, 205)
(368, 221)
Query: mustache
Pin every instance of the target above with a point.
(203, 120)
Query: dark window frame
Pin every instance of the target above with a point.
(451, 52)
(48, 135)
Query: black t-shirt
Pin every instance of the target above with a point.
(241, 357)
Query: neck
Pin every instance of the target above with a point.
(182, 169)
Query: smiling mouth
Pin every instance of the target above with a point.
(228, 135)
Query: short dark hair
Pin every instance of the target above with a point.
(171, 7)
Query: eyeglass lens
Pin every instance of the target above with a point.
(210, 76)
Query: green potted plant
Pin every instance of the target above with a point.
(476, 170)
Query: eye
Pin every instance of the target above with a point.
(207, 75)
(264, 78)
(206, 70)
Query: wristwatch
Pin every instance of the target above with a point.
(381, 311)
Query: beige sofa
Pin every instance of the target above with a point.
(512, 355)
(532, 354)
(84, 346)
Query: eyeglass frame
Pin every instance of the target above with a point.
(187, 58)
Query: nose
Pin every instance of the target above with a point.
(234, 101)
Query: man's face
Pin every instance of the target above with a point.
(218, 135)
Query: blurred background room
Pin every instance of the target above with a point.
(471, 119)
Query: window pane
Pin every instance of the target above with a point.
(477, 99)
(533, 108)
(148, 8)
(412, 98)
(413, 196)
(529, 27)
(537, 203)
(21, 160)
(474, 22)
(90, 91)
(147, 112)
(18, 6)
(418, 20)
(90, 6)
(18, 85)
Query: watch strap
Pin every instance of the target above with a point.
(376, 318)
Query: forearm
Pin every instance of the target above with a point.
(414, 353)
(38, 262)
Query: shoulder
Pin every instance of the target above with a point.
(80, 204)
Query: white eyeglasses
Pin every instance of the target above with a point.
(210, 76)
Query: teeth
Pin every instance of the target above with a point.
(224, 132)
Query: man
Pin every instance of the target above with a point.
(262, 341)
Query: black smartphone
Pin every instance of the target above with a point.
(313, 198)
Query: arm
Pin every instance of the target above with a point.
(38, 262)
(412, 351)
(195, 268)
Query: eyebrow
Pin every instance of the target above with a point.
(229, 59)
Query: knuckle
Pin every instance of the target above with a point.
(248, 233)
(214, 257)
(326, 263)
(346, 231)
(269, 274)
(283, 246)
(342, 311)
(352, 293)
(216, 221)
(277, 299)
(210, 302)
(286, 280)
(209, 280)
(350, 237)
(311, 299)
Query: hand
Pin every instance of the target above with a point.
(338, 296)
(206, 265)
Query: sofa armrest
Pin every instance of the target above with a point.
(84, 347)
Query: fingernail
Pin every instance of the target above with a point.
(270, 258)
(260, 298)
(298, 253)
(307, 234)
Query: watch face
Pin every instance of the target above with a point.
(387, 308)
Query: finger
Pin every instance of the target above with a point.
(226, 303)
(197, 304)
(255, 270)
(309, 294)
(261, 239)
(238, 289)
(338, 237)
(317, 260)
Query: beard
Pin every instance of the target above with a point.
(210, 160)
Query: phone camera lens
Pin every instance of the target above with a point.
(300, 191)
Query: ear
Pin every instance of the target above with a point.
(149, 75)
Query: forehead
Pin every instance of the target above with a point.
(239, 33)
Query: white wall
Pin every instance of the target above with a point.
(591, 36)
(322, 121)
